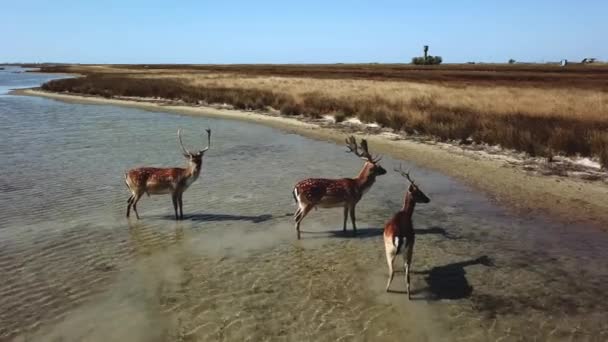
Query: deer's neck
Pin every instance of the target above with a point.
(365, 179)
(193, 170)
(408, 206)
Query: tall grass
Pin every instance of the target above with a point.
(541, 122)
(111, 86)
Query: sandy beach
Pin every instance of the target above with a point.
(568, 199)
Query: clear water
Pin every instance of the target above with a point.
(74, 268)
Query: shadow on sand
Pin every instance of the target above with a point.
(364, 233)
(449, 281)
(436, 230)
(222, 217)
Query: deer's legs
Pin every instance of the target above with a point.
(301, 216)
(180, 205)
(391, 253)
(345, 217)
(136, 198)
(352, 219)
(174, 200)
(129, 203)
(408, 262)
(296, 215)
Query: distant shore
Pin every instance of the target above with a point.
(572, 200)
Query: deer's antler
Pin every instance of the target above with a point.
(208, 141)
(351, 143)
(181, 144)
(404, 174)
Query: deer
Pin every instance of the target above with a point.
(400, 228)
(334, 193)
(171, 180)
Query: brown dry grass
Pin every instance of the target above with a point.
(594, 76)
(406, 96)
(539, 120)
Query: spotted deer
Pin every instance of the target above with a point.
(172, 180)
(333, 193)
(400, 228)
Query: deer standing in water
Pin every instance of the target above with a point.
(172, 180)
(400, 228)
(333, 193)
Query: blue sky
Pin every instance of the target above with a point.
(88, 31)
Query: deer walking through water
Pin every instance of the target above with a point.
(334, 193)
(172, 180)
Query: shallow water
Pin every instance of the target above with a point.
(74, 268)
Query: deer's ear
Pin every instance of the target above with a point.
(187, 156)
(411, 188)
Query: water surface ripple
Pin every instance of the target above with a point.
(74, 268)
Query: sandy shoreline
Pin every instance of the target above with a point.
(572, 200)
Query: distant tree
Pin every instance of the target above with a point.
(427, 59)
(511, 61)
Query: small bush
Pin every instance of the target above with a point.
(599, 147)
(568, 140)
(340, 116)
(435, 60)
(292, 108)
(418, 60)
(398, 122)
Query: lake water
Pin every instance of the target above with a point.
(73, 268)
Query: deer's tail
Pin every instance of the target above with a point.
(295, 194)
(298, 212)
(128, 187)
(398, 242)
(127, 180)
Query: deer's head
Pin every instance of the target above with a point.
(414, 191)
(195, 158)
(371, 163)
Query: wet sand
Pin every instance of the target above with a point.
(568, 199)
(76, 269)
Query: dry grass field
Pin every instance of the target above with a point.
(540, 109)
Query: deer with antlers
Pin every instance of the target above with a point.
(173, 180)
(400, 228)
(333, 193)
